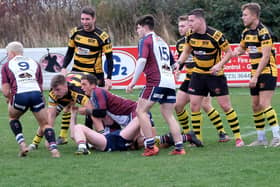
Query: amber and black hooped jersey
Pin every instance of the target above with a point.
(88, 49)
(253, 42)
(189, 62)
(206, 49)
(75, 92)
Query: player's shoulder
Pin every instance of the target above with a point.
(75, 30)
(262, 29)
(98, 90)
(214, 33)
(103, 35)
(52, 96)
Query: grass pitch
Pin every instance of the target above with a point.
(216, 164)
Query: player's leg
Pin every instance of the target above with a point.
(16, 128)
(142, 109)
(232, 118)
(131, 130)
(83, 134)
(166, 140)
(196, 117)
(182, 99)
(37, 106)
(218, 88)
(270, 115)
(167, 113)
(215, 118)
(259, 120)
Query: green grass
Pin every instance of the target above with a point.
(216, 164)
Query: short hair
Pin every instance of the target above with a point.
(90, 78)
(183, 18)
(58, 80)
(198, 12)
(88, 10)
(146, 20)
(254, 8)
(15, 47)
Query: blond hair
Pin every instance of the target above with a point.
(254, 8)
(15, 47)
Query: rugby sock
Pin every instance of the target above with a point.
(82, 144)
(197, 124)
(149, 143)
(19, 138)
(271, 117)
(65, 123)
(183, 119)
(166, 139)
(102, 131)
(50, 137)
(259, 121)
(233, 123)
(186, 137)
(179, 146)
(37, 139)
(17, 130)
(216, 120)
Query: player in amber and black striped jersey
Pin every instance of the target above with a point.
(257, 41)
(206, 44)
(87, 43)
(182, 96)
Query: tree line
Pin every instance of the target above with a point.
(46, 23)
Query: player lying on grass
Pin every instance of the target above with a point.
(128, 138)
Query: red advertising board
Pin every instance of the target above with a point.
(237, 70)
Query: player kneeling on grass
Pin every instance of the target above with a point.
(22, 86)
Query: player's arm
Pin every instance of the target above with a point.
(266, 46)
(225, 47)
(184, 56)
(67, 59)
(6, 87)
(238, 51)
(73, 120)
(87, 109)
(264, 60)
(39, 77)
(107, 49)
(110, 64)
(70, 51)
(51, 115)
(140, 65)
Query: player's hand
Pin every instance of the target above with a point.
(129, 88)
(176, 66)
(74, 108)
(177, 75)
(108, 84)
(63, 71)
(215, 69)
(253, 82)
(235, 53)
